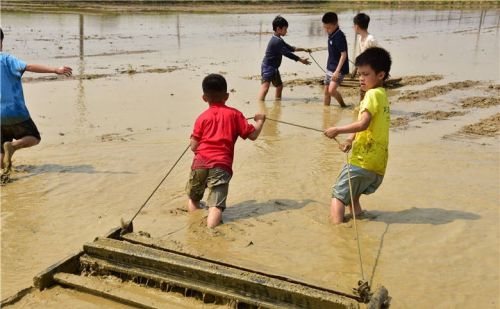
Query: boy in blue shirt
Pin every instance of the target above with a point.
(277, 48)
(338, 62)
(17, 128)
(369, 136)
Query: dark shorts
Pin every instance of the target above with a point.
(216, 180)
(18, 131)
(271, 75)
(363, 182)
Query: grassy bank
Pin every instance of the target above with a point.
(231, 6)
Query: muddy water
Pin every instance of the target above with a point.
(109, 139)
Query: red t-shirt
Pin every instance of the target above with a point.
(217, 130)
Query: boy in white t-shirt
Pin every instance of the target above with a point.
(365, 40)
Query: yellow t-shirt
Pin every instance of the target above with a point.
(370, 147)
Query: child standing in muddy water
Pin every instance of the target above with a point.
(214, 135)
(369, 136)
(18, 129)
(338, 63)
(276, 49)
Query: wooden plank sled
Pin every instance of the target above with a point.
(137, 270)
(256, 289)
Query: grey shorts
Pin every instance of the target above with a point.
(217, 182)
(328, 78)
(363, 182)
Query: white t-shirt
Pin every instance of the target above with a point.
(366, 43)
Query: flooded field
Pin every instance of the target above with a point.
(111, 132)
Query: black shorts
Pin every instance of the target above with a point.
(18, 131)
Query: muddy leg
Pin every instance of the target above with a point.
(214, 217)
(327, 99)
(332, 89)
(264, 88)
(279, 90)
(337, 210)
(10, 147)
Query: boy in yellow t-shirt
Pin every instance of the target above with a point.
(369, 136)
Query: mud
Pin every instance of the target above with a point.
(441, 115)
(480, 102)
(74, 186)
(419, 79)
(129, 71)
(486, 127)
(400, 122)
(436, 90)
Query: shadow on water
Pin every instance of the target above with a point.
(34, 170)
(252, 209)
(414, 215)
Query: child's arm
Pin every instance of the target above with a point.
(259, 119)
(358, 126)
(194, 144)
(343, 57)
(38, 68)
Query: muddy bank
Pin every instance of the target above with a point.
(480, 102)
(130, 71)
(441, 115)
(400, 122)
(486, 127)
(436, 90)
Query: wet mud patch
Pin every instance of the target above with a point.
(480, 102)
(485, 127)
(400, 122)
(112, 137)
(419, 79)
(436, 90)
(441, 115)
(136, 52)
(129, 71)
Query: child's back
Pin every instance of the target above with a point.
(214, 135)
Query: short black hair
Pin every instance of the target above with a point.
(214, 87)
(362, 20)
(1, 34)
(280, 22)
(377, 58)
(330, 18)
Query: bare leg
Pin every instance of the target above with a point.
(11, 147)
(264, 88)
(357, 206)
(214, 217)
(1, 161)
(328, 97)
(193, 205)
(337, 210)
(279, 90)
(332, 88)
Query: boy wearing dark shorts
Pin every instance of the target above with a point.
(338, 62)
(212, 141)
(17, 128)
(369, 136)
(277, 48)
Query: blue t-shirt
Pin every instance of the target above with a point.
(337, 44)
(12, 98)
(275, 49)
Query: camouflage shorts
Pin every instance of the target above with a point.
(217, 182)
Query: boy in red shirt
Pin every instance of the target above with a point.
(214, 135)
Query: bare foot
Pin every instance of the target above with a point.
(9, 150)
